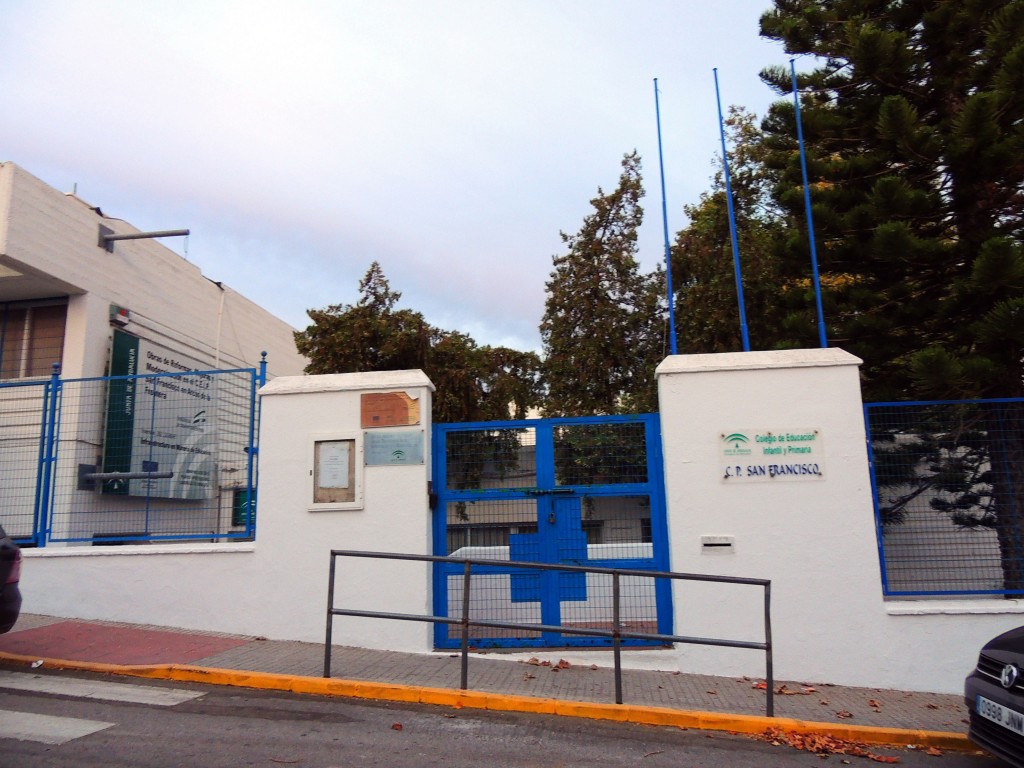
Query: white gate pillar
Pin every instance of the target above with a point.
(345, 464)
(767, 476)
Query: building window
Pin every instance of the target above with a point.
(31, 337)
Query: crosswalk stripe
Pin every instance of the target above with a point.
(46, 729)
(96, 689)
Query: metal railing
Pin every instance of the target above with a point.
(616, 633)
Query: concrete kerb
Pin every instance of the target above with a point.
(457, 699)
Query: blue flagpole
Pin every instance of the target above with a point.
(664, 222)
(732, 223)
(822, 337)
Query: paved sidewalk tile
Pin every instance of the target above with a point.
(82, 641)
(491, 673)
(48, 637)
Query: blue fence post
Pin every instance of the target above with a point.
(879, 528)
(47, 458)
(259, 380)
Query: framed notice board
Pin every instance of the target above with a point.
(336, 472)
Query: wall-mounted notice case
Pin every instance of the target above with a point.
(336, 472)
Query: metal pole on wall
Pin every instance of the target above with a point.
(664, 222)
(822, 337)
(732, 223)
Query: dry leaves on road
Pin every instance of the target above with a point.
(820, 744)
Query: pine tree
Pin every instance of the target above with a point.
(914, 126)
(603, 324)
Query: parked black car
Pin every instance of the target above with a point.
(994, 693)
(10, 575)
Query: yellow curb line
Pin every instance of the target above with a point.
(628, 713)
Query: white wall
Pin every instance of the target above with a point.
(277, 586)
(813, 537)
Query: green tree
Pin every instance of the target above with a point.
(603, 328)
(707, 309)
(914, 126)
(473, 383)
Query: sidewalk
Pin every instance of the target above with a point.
(580, 677)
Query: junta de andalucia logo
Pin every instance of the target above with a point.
(736, 444)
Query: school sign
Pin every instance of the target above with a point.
(762, 455)
(160, 419)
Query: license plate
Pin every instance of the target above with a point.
(997, 713)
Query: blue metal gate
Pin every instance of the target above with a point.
(574, 491)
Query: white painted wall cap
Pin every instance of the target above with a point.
(747, 361)
(341, 382)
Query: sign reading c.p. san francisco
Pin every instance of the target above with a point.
(762, 455)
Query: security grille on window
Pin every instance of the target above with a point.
(31, 337)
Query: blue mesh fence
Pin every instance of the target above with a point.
(948, 481)
(123, 459)
(23, 406)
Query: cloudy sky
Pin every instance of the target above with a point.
(300, 140)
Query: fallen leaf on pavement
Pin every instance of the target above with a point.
(396, 726)
(844, 713)
(762, 686)
(874, 703)
(933, 751)
(785, 691)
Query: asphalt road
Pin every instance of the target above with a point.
(63, 720)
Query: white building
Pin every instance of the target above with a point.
(66, 294)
